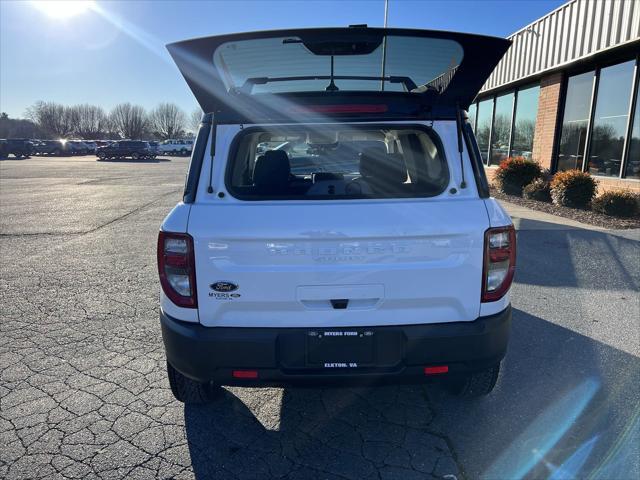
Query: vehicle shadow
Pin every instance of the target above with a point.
(16, 158)
(129, 160)
(564, 404)
(316, 433)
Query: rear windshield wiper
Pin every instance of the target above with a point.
(248, 85)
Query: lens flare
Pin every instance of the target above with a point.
(63, 8)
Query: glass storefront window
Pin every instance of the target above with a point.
(471, 113)
(610, 119)
(501, 132)
(525, 124)
(632, 170)
(483, 127)
(575, 122)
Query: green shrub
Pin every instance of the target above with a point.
(516, 172)
(539, 189)
(573, 188)
(621, 203)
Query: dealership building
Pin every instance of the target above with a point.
(566, 94)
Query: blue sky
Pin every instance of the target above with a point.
(117, 54)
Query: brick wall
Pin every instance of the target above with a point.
(548, 105)
(605, 184)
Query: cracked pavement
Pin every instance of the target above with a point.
(84, 394)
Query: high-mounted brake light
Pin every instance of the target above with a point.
(177, 269)
(436, 370)
(245, 374)
(499, 262)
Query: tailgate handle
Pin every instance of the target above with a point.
(339, 304)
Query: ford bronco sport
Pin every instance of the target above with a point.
(336, 224)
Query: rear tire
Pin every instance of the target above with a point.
(135, 156)
(189, 391)
(474, 385)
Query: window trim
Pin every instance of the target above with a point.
(633, 105)
(515, 110)
(482, 184)
(192, 179)
(493, 119)
(514, 105)
(235, 145)
(493, 101)
(595, 84)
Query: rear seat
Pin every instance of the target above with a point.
(272, 172)
(382, 171)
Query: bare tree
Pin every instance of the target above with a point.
(167, 120)
(52, 118)
(130, 121)
(88, 121)
(18, 128)
(194, 120)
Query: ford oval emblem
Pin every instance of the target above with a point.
(224, 287)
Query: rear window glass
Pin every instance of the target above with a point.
(322, 163)
(291, 64)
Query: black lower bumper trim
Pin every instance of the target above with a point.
(279, 355)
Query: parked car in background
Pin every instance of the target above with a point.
(176, 147)
(153, 147)
(35, 146)
(91, 146)
(134, 149)
(50, 147)
(75, 147)
(18, 147)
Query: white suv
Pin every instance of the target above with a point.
(175, 147)
(336, 225)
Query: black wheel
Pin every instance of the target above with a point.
(472, 385)
(184, 151)
(135, 156)
(101, 156)
(189, 391)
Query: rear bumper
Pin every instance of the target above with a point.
(211, 354)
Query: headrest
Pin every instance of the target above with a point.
(325, 176)
(272, 170)
(387, 167)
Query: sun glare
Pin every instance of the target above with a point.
(63, 8)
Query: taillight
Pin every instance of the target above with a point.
(177, 269)
(499, 262)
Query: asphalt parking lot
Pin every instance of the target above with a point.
(83, 389)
